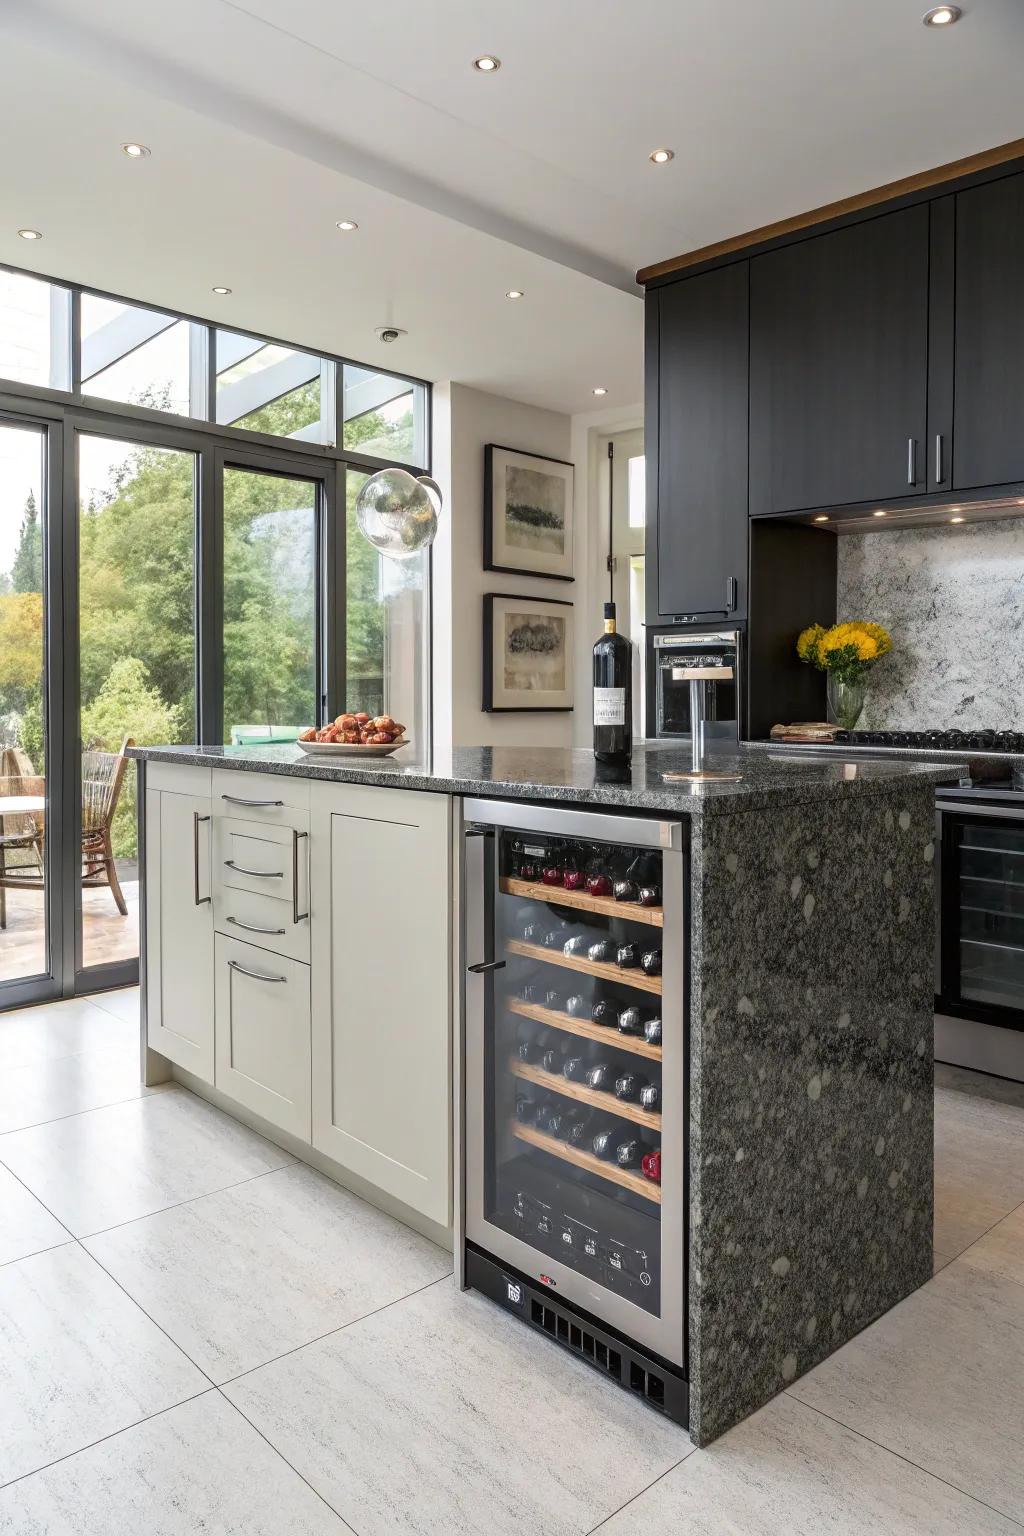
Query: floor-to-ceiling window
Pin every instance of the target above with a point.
(179, 560)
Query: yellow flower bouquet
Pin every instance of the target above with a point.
(847, 652)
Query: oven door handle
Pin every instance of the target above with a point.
(969, 808)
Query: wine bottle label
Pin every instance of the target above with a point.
(609, 706)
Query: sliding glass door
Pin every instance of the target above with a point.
(136, 667)
(25, 936)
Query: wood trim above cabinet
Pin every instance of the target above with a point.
(921, 181)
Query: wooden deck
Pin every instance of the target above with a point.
(106, 935)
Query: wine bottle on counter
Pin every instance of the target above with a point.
(613, 688)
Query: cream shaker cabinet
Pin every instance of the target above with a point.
(298, 958)
(381, 975)
(179, 927)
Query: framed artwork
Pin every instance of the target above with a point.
(528, 514)
(527, 662)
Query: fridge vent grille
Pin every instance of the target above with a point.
(561, 1326)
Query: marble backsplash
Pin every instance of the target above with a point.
(953, 600)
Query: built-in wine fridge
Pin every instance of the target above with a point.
(574, 940)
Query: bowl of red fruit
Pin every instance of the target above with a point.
(355, 735)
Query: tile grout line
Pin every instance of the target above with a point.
(277, 1452)
(693, 1451)
(176, 1205)
(35, 1125)
(230, 1381)
(136, 1303)
(114, 1433)
(907, 1461)
(974, 1240)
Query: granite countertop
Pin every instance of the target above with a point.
(571, 775)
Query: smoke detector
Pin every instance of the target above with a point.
(390, 333)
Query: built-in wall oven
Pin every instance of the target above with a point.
(668, 697)
(575, 1083)
(980, 953)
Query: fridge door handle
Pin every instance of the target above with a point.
(483, 966)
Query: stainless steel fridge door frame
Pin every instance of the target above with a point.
(664, 1334)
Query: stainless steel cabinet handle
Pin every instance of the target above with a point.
(911, 461)
(256, 975)
(486, 965)
(200, 901)
(261, 874)
(730, 593)
(297, 916)
(266, 804)
(254, 927)
(938, 458)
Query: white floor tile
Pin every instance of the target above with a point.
(117, 1164)
(979, 1166)
(789, 1471)
(25, 1225)
(78, 1360)
(444, 1415)
(939, 1380)
(67, 1085)
(197, 1468)
(323, 1257)
(1001, 1251)
(61, 1029)
(123, 1004)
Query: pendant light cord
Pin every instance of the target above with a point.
(611, 521)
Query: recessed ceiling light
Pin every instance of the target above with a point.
(135, 151)
(662, 156)
(822, 517)
(30, 234)
(515, 293)
(878, 514)
(487, 63)
(347, 224)
(600, 390)
(219, 289)
(942, 15)
(956, 519)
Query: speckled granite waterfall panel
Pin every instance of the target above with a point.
(953, 600)
(811, 1117)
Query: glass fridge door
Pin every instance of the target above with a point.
(577, 1067)
(990, 896)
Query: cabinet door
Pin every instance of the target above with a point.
(179, 930)
(701, 523)
(381, 964)
(263, 1045)
(988, 425)
(839, 366)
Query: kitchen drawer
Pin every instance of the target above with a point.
(265, 921)
(267, 861)
(262, 1034)
(271, 799)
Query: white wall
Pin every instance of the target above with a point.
(464, 421)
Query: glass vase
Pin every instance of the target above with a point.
(845, 701)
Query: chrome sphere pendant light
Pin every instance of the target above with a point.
(397, 512)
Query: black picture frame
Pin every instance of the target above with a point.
(491, 704)
(496, 456)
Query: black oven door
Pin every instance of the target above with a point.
(981, 962)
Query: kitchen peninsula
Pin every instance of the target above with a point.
(302, 918)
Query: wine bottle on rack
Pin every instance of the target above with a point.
(629, 1086)
(613, 688)
(527, 1048)
(601, 1076)
(580, 1131)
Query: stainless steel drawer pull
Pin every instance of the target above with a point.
(200, 901)
(297, 916)
(265, 804)
(938, 458)
(236, 922)
(911, 461)
(261, 874)
(256, 975)
(486, 965)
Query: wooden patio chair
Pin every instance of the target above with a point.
(102, 776)
(20, 833)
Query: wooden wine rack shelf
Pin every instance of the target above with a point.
(597, 968)
(624, 1177)
(582, 901)
(590, 1031)
(554, 1082)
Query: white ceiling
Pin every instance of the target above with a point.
(270, 119)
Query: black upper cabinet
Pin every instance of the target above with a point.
(839, 366)
(988, 430)
(697, 537)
